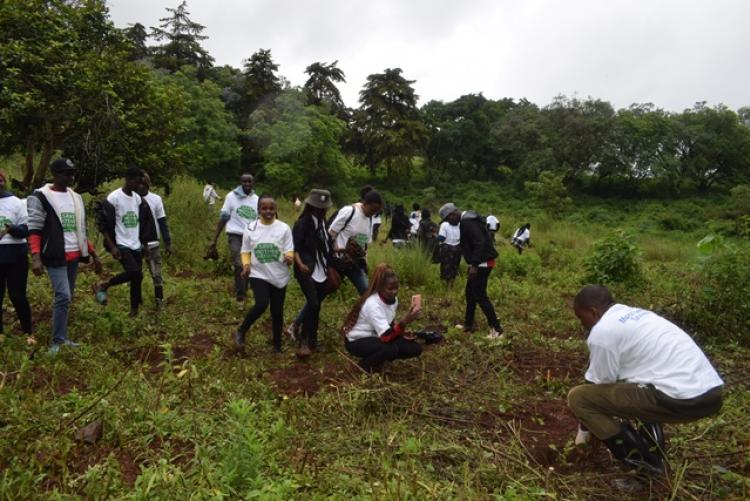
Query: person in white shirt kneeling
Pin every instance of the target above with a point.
(643, 367)
(369, 328)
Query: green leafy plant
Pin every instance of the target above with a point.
(720, 307)
(614, 259)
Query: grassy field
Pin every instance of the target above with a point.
(184, 416)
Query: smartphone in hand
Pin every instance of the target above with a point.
(416, 301)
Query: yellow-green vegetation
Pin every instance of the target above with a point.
(185, 417)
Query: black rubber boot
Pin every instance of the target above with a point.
(159, 293)
(631, 448)
(653, 433)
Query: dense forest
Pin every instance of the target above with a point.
(72, 82)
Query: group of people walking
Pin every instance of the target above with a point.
(51, 225)
(642, 367)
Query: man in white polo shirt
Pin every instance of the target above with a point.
(239, 210)
(642, 367)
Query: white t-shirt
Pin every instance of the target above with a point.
(241, 209)
(209, 194)
(319, 271)
(377, 219)
(127, 224)
(638, 346)
(13, 211)
(492, 223)
(374, 319)
(267, 244)
(414, 218)
(156, 205)
(63, 200)
(360, 226)
(451, 232)
(524, 236)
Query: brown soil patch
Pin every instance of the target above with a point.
(200, 344)
(303, 379)
(547, 429)
(81, 457)
(40, 380)
(534, 364)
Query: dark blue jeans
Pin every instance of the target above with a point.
(63, 280)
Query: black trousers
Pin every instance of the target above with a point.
(314, 294)
(374, 352)
(266, 294)
(14, 276)
(132, 262)
(476, 293)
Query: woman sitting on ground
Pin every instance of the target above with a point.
(369, 329)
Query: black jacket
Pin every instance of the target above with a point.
(476, 243)
(312, 244)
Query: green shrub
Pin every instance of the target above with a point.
(549, 192)
(671, 221)
(614, 259)
(741, 199)
(518, 265)
(720, 307)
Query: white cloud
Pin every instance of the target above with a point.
(669, 52)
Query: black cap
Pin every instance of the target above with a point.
(62, 165)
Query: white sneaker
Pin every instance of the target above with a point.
(495, 334)
(582, 437)
(291, 331)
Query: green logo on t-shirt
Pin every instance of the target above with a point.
(267, 253)
(130, 219)
(361, 239)
(3, 221)
(68, 220)
(247, 212)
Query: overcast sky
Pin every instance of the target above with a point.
(668, 52)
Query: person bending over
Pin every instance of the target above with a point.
(369, 328)
(643, 367)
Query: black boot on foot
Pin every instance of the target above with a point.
(630, 448)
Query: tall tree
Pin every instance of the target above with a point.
(711, 145)
(388, 125)
(579, 132)
(138, 35)
(461, 136)
(260, 81)
(320, 88)
(66, 84)
(182, 46)
(208, 138)
(641, 144)
(300, 145)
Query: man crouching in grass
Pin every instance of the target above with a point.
(643, 368)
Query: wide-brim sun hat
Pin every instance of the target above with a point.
(447, 209)
(320, 199)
